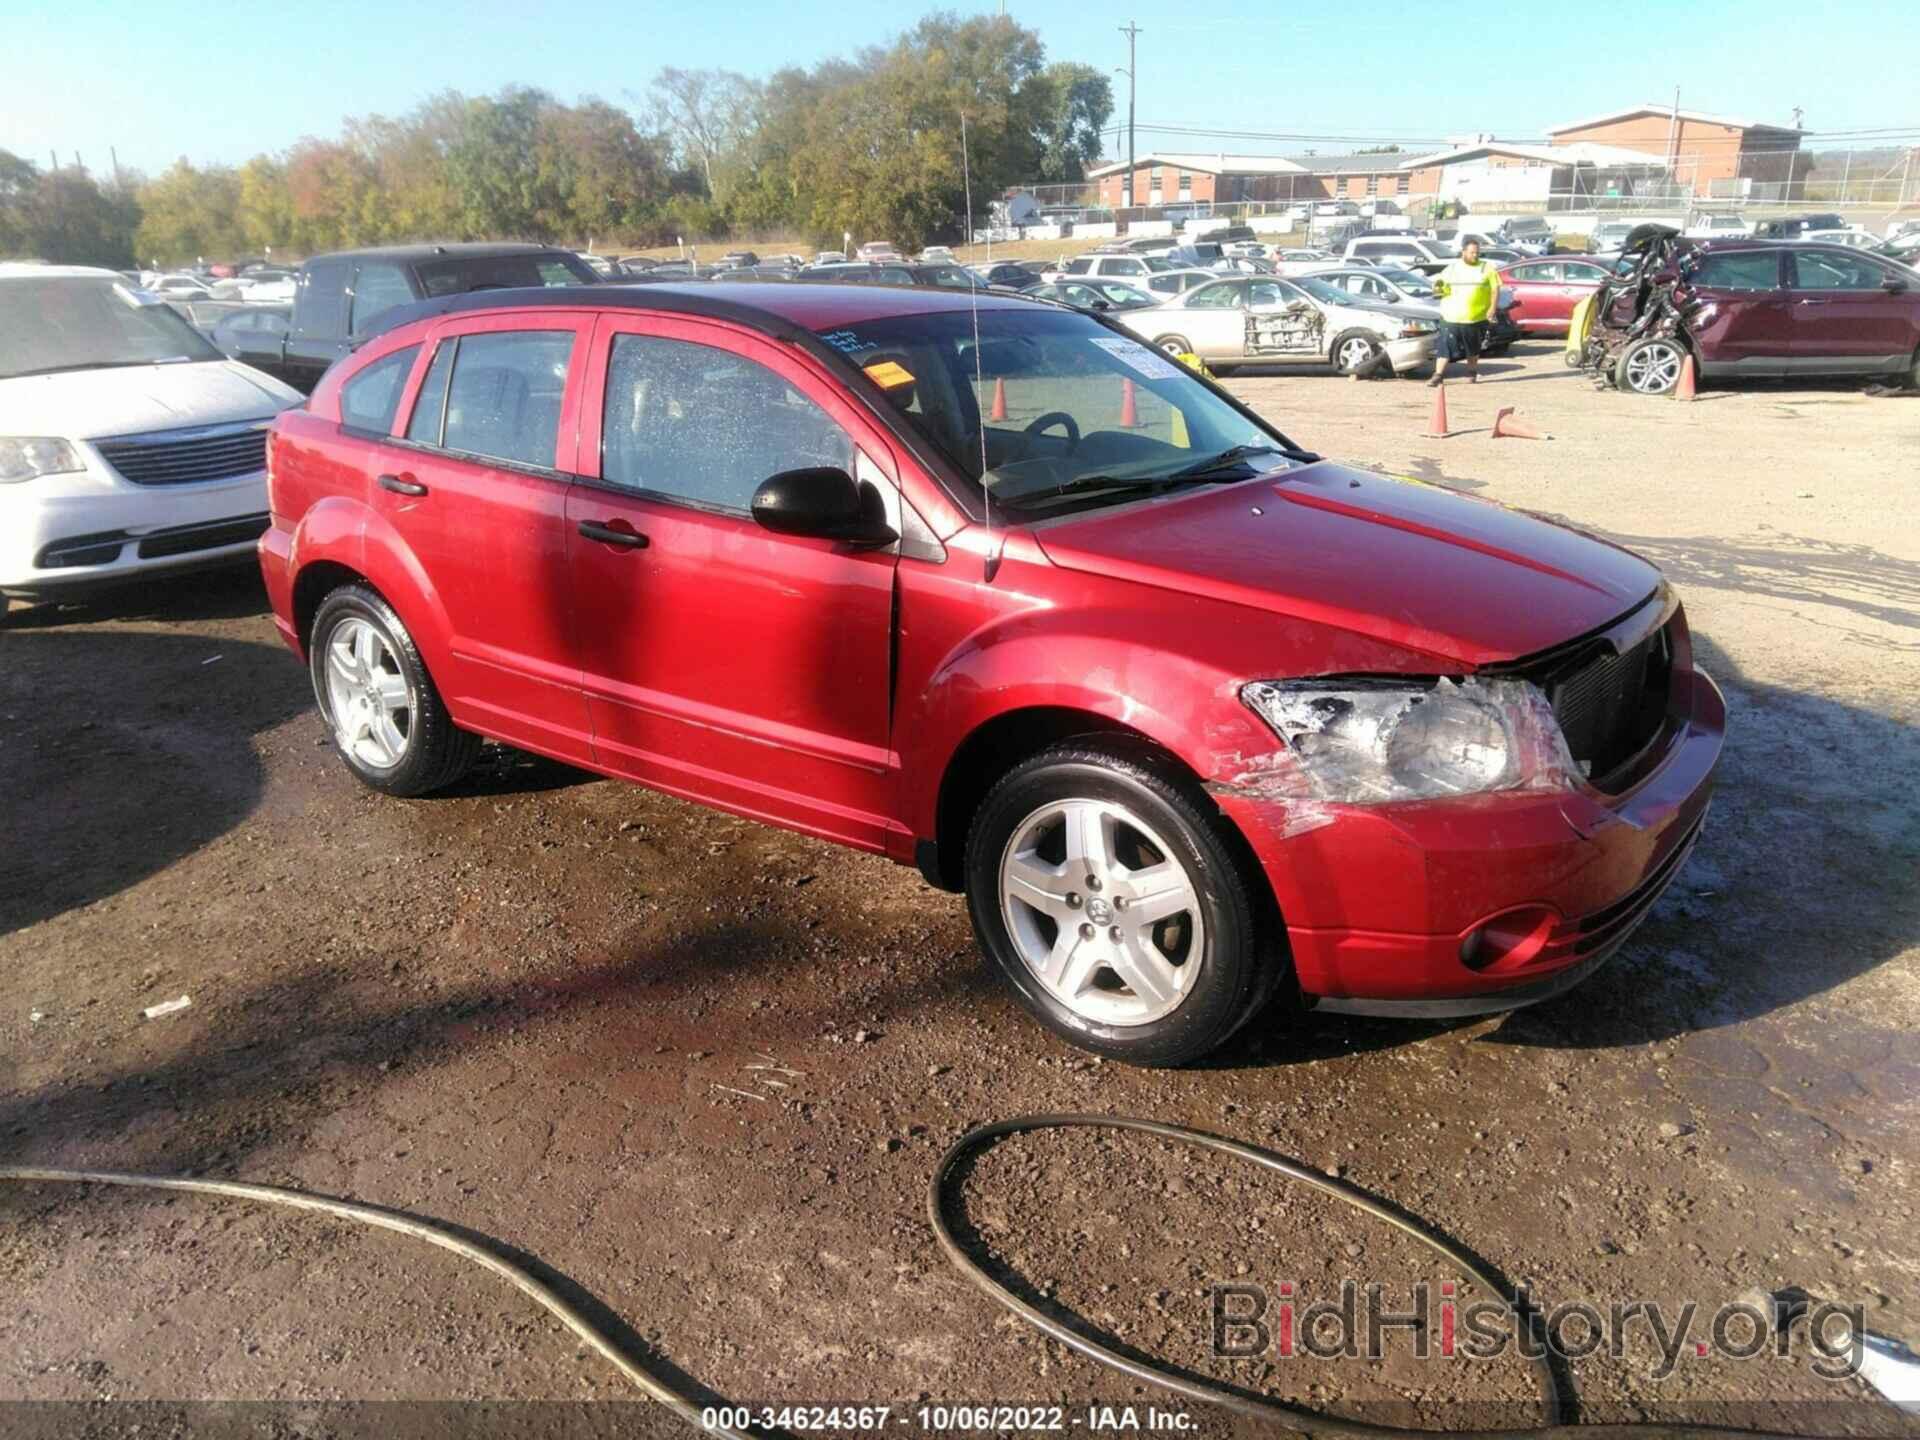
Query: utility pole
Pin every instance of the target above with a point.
(1132, 32)
(1673, 143)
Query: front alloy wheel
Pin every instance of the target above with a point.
(1119, 903)
(1354, 354)
(1100, 913)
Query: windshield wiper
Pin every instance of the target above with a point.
(1081, 484)
(1234, 455)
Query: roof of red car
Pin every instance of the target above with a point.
(765, 305)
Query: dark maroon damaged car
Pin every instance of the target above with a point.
(1749, 308)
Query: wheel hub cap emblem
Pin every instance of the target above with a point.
(1099, 911)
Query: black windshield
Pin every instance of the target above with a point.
(1046, 401)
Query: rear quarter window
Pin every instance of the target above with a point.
(370, 400)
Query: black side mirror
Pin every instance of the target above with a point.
(1894, 285)
(823, 503)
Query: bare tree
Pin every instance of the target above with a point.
(709, 114)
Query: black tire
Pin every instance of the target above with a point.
(1173, 345)
(1347, 364)
(1238, 964)
(438, 752)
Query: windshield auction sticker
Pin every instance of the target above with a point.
(1138, 357)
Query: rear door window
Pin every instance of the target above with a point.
(504, 397)
(1742, 270)
(1218, 297)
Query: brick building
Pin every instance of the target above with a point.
(1177, 178)
(1711, 155)
(1389, 175)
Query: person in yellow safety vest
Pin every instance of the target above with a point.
(1467, 288)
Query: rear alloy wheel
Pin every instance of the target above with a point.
(1651, 367)
(385, 714)
(1107, 893)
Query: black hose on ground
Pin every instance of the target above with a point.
(945, 1176)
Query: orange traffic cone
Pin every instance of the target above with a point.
(999, 400)
(1507, 428)
(1437, 426)
(1684, 387)
(1129, 416)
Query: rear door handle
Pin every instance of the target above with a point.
(401, 487)
(627, 539)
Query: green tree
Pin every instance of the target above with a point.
(18, 180)
(494, 169)
(1071, 106)
(188, 213)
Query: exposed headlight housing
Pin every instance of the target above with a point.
(1363, 742)
(28, 457)
(1416, 327)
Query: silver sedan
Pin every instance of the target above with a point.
(1270, 320)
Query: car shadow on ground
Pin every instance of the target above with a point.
(101, 796)
(1802, 882)
(231, 592)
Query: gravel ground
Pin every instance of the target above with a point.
(545, 1008)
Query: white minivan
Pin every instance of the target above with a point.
(128, 443)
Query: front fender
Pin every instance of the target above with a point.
(1096, 662)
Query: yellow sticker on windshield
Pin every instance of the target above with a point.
(888, 376)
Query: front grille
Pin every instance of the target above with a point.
(164, 460)
(1611, 705)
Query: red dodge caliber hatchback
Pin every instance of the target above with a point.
(1193, 716)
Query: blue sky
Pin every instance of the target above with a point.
(161, 80)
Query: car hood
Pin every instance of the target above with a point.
(1465, 580)
(90, 404)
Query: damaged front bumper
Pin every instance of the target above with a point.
(1485, 902)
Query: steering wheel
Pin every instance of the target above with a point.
(1058, 417)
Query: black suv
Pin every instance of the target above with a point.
(1792, 227)
(339, 297)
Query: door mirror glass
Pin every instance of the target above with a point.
(823, 503)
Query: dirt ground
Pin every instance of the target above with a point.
(542, 1008)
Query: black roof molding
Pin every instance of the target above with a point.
(689, 299)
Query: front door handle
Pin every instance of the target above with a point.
(402, 487)
(627, 539)
(1810, 302)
